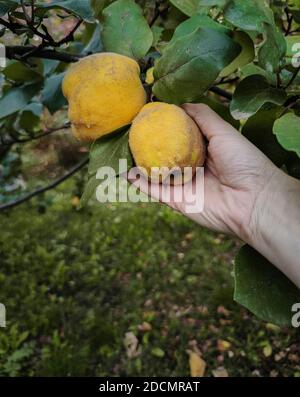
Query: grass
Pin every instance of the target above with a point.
(76, 282)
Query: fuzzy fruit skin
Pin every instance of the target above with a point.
(163, 135)
(104, 92)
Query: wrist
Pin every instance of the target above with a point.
(274, 230)
(269, 202)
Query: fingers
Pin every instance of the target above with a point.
(209, 122)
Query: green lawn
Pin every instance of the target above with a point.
(75, 282)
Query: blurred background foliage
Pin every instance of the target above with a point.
(111, 289)
(78, 284)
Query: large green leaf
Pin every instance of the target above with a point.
(125, 30)
(251, 94)
(259, 130)
(287, 131)
(263, 289)
(258, 17)
(7, 6)
(17, 98)
(249, 15)
(81, 8)
(191, 64)
(52, 96)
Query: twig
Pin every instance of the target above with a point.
(289, 21)
(223, 93)
(70, 36)
(27, 17)
(156, 15)
(293, 77)
(35, 137)
(44, 189)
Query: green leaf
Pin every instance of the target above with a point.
(95, 44)
(125, 30)
(222, 111)
(80, 8)
(252, 69)
(287, 131)
(191, 7)
(17, 71)
(7, 6)
(31, 116)
(89, 190)
(157, 32)
(108, 150)
(263, 289)
(245, 57)
(249, 15)
(272, 52)
(50, 65)
(157, 352)
(195, 22)
(259, 130)
(17, 98)
(190, 65)
(52, 96)
(251, 94)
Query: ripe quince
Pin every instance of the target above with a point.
(163, 135)
(104, 92)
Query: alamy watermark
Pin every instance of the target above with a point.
(2, 56)
(296, 316)
(296, 56)
(2, 315)
(180, 187)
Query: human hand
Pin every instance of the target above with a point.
(236, 173)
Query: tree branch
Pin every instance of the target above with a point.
(289, 21)
(295, 74)
(44, 189)
(15, 52)
(223, 93)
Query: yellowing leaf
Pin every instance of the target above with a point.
(197, 365)
(149, 76)
(223, 345)
(267, 350)
(220, 372)
(131, 344)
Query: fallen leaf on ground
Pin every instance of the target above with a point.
(220, 372)
(131, 344)
(223, 345)
(197, 365)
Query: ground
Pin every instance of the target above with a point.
(75, 283)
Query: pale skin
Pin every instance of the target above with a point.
(246, 195)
